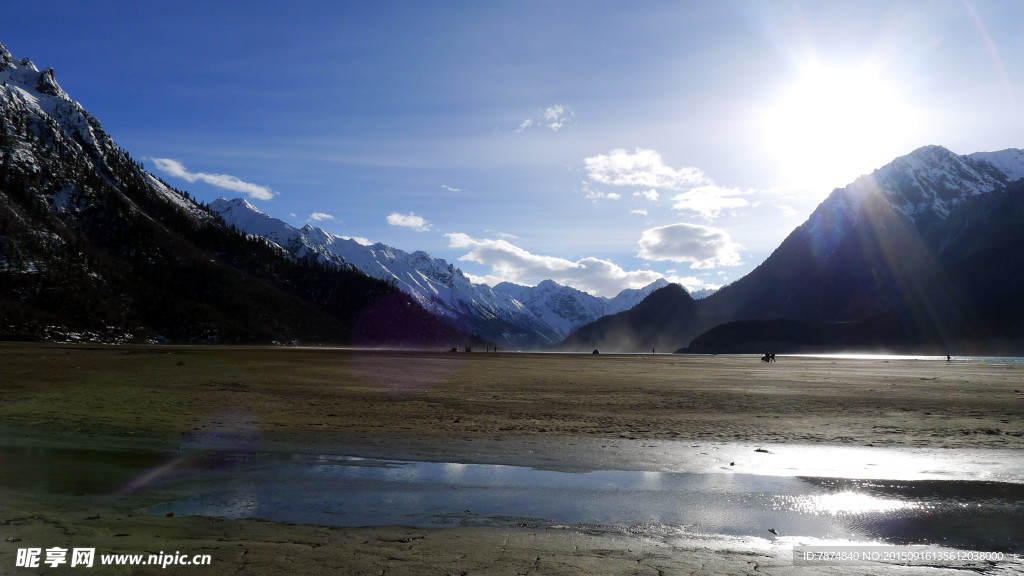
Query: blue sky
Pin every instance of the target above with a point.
(599, 144)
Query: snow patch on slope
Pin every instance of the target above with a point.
(1010, 162)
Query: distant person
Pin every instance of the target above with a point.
(949, 358)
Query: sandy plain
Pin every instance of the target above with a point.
(555, 411)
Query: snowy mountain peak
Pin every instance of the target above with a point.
(37, 95)
(566, 308)
(929, 181)
(924, 186)
(24, 73)
(47, 84)
(632, 296)
(420, 256)
(931, 153)
(240, 204)
(5, 58)
(512, 315)
(243, 215)
(548, 286)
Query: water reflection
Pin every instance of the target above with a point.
(976, 515)
(344, 491)
(979, 515)
(846, 502)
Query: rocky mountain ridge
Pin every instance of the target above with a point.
(511, 315)
(94, 248)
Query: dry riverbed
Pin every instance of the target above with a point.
(547, 410)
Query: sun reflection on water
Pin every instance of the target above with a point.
(847, 502)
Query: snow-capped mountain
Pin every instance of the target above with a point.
(35, 95)
(510, 314)
(924, 186)
(924, 250)
(922, 254)
(702, 293)
(565, 308)
(55, 157)
(931, 180)
(94, 248)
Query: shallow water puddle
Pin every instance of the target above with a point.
(352, 492)
(349, 492)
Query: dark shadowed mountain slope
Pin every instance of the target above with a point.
(922, 254)
(657, 322)
(93, 247)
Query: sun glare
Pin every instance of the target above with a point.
(835, 124)
(843, 503)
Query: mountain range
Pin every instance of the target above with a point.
(94, 248)
(921, 254)
(514, 316)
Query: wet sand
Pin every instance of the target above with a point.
(556, 411)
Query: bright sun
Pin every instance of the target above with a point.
(834, 124)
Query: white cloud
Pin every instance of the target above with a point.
(514, 264)
(554, 117)
(702, 246)
(788, 211)
(641, 168)
(591, 194)
(488, 279)
(451, 188)
(500, 234)
(226, 181)
(409, 220)
(320, 216)
(644, 169)
(710, 200)
(651, 195)
(639, 212)
(358, 239)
